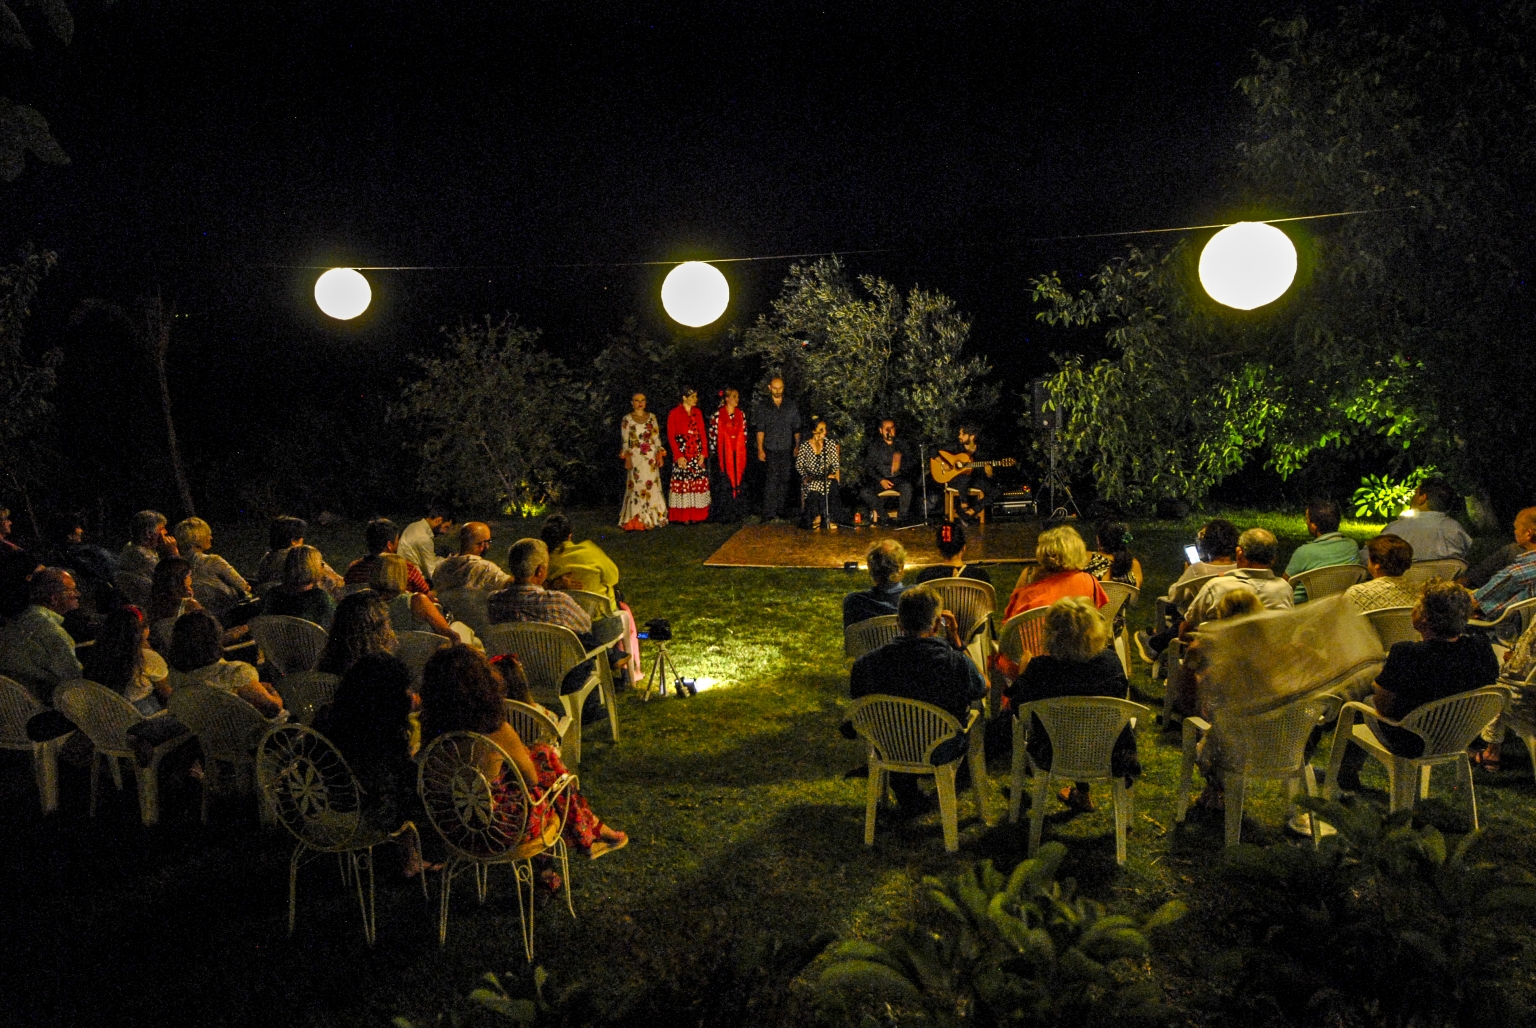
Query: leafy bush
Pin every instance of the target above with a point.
(1380, 496)
(1382, 925)
(1021, 950)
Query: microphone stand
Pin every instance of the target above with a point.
(922, 472)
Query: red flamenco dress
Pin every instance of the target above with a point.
(688, 494)
(728, 438)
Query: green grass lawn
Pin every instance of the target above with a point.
(745, 830)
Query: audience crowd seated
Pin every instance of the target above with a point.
(1257, 549)
(949, 537)
(35, 650)
(197, 657)
(300, 594)
(585, 566)
(283, 534)
(1216, 545)
(408, 611)
(122, 660)
(1113, 561)
(1428, 528)
(215, 584)
(469, 568)
(361, 628)
(93, 567)
(418, 543)
(1387, 558)
(1060, 557)
(382, 536)
(887, 562)
(1476, 577)
(148, 541)
(170, 596)
(1328, 547)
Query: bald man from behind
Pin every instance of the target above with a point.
(470, 568)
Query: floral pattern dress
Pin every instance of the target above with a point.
(644, 505)
(582, 827)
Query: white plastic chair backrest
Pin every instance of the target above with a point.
(1330, 579)
(1421, 571)
(226, 726)
(416, 648)
(1450, 724)
(1023, 636)
(1082, 730)
(469, 606)
(902, 731)
(968, 599)
(461, 798)
(862, 637)
(17, 706)
(309, 787)
(1120, 595)
(1393, 625)
(291, 644)
(100, 713)
(547, 653)
(1273, 744)
(532, 724)
(595, 604)
(305, 692)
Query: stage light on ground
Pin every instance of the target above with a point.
(695, 294)
(1248, 265)
(342, 293)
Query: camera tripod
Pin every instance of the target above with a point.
(656, 679)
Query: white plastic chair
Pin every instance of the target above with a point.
(861, 637)
(17, 707)
(1083, 731)
(290, 644)
(1023, 636)
(308, 787)
(1257, 747)
(548, 652)
(973, 604)
(535, 724)
(902, 735)
(469, 606)
(1121, 595)
(461, 802)
(416, 648)
(1447, 727)
(105, 718)
(1330, 579)
(1393, 625)
(595, 604)
(305, 692)
(227, 730)
(1421, 571)
(1510, 624)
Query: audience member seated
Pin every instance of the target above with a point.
(121, 660)
(1518, 667)
(35, 650)
(408, 611)
(1428, 527)
(197, 658)
(1328, 547)
(1475, 578)
(1112, 561)
(469, 568)
(1077, 662)
(170, 596)
(418, 543)
(949, 537)
(1448, 660)
(361, 628)
(1508, 585)
(926, 662)
(1387, 557)
(462, 692)
(300, 594)
(1216, 543)
(216, 585)
(93, 567)
(585, 566)
(1184, 676)
(148, 541)
(369, 721)
(1060, 556)
(283, 535)
(382, 537)
(1256, 552)
(887, 562)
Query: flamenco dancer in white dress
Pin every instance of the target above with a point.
(643, 451)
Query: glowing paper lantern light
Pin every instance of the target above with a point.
(695, 294)
(1248, 265)
(343, 293)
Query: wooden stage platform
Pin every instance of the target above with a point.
(782, 545)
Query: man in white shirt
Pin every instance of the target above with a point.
(418, 543)
(1257, 549)
(35, 650)
(1428, 528)
(470, 568)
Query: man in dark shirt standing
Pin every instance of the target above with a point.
(884, 462)
(927, 663)
(778, 435)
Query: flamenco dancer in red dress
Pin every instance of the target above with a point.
(728, 440)
(688, 495)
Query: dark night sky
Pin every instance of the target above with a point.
(214, 143)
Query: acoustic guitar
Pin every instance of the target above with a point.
(947, 466)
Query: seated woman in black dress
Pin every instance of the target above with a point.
(950, 540)
(1077, 662)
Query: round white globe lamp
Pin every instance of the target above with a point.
(695, 294)
(1247, 265)
(342, 293)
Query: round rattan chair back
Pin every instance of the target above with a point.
(310, 789)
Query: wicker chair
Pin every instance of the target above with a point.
(1393, 625)
(902, 735)
(290, 644)
(1121, 595)
(227, 730)
(1082, 730)
(595, 604)
(305, 692)
(1263, 746)
(1421, 571)
(17, 707)
(861, 637)
(548, 652)
(461, 802)
(469, 606)
(1447, 727)
(105, 718)
(1328, 580)
(1023, 636)
(309, 788)
(973, 604)
(1510, 624)
(416, 648)
(535, 724)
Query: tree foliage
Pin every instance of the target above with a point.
(25, 381)
(855, 352)
(498, 421)
(22, 129)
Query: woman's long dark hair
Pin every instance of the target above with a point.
(460, 692)
(369, 719)
(1112, 541)
(196, 641)
(116, 658)
(361, 627)
(168, 588)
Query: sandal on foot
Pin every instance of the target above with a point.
(603, 847)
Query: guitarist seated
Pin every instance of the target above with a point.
(980, 479)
